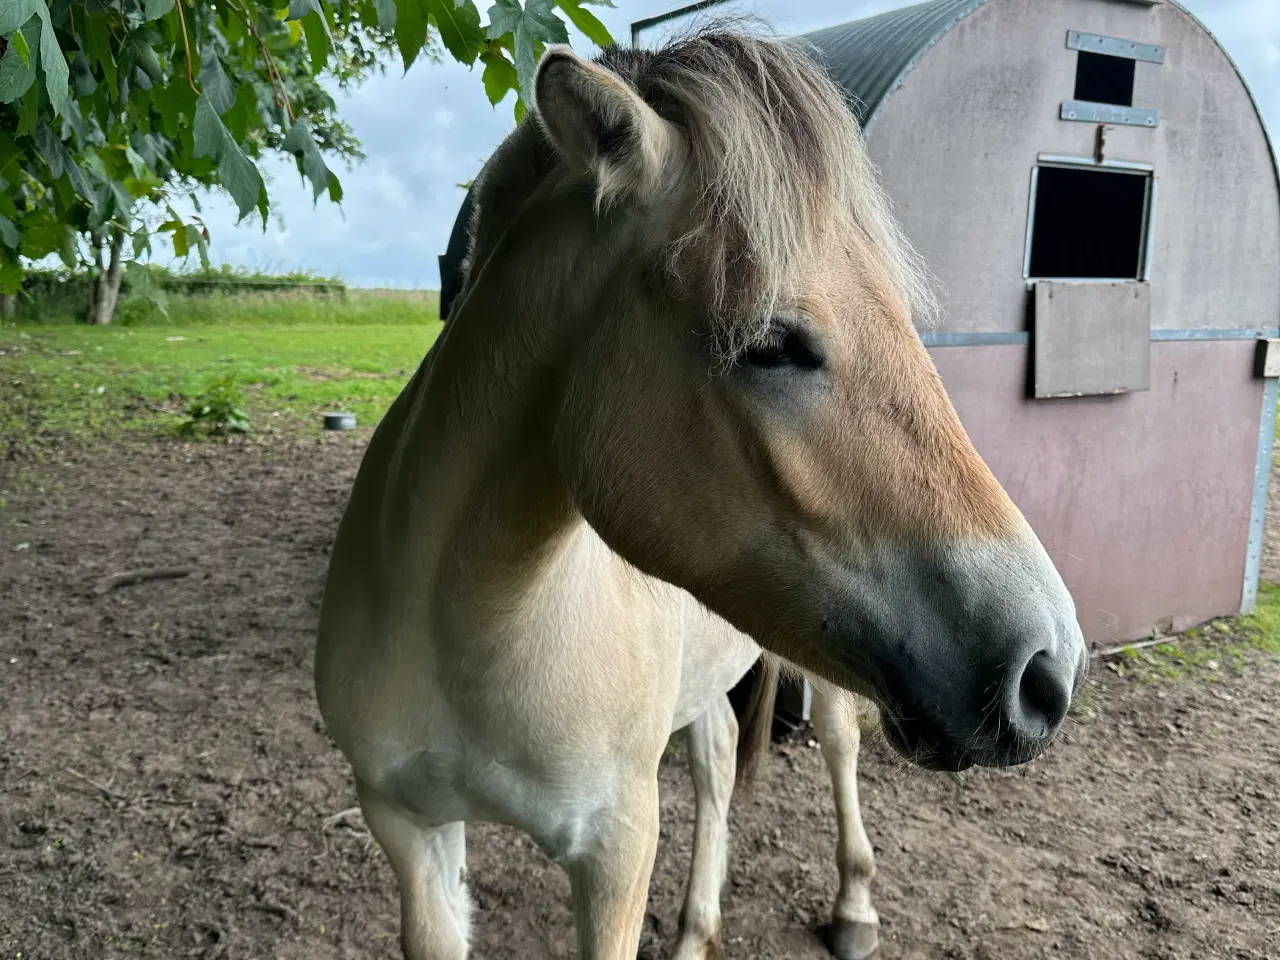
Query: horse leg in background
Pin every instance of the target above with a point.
(712, 739)
(854, 931)
(430, 865)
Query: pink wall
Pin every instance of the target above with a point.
(1143, 499)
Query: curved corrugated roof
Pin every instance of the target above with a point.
(869, 58)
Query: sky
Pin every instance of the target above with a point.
(426, 131)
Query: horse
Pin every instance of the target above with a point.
(680, 421)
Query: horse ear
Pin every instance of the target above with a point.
(600, 125)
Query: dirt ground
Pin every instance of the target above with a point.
(167, 790)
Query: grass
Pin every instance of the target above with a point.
(294, 357)
(1211, 650)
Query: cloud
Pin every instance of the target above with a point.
(433, 128)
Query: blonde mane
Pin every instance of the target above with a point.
(778, 167)
(778, 163)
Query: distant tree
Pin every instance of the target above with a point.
(112, 107)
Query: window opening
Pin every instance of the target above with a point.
(1089, 224)
(1101, 78)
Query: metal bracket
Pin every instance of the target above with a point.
(1115, 47)
(1090, 112)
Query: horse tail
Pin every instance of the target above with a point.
(755, 726)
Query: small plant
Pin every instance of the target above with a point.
(216, 413)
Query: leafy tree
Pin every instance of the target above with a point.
(108, 107)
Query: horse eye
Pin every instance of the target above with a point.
(783, 348)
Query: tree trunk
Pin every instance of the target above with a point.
(106, 288)
(8, 306)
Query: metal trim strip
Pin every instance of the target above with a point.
(1115, 46)
(1087, 112)
(1065, 160)
(1021, 338)
(1258, 509)
(1230, 333)
(961, 339)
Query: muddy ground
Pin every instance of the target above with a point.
(166, 788)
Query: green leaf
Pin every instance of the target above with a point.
(181, 246)
(20, 44)
(141, 188)
(499, 77)
(52, 60)
(411, 29)
(69, 250)
(386, 10)
(174, 101)
(459, 26)
(141, 241)
(75, 120)
(16, 72)
(96, 38)
(14, 13)
(535, 21)
(302, 145)
(236, 171)
(123, 200)
(207, 131)
(43, 239)
(147, 59)
(241, 178)
(201, 239)
(58, 157)
(83, 82)
(9, 233)
(155, 9)
(298, 9)
(335, 188)
(214, 81)
(30, 112)
(136, 163)
(10, 277)
(318, 40)
(586, 22)
(244, 114)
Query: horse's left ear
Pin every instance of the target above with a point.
(600, 125)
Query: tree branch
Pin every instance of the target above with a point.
(186, 46)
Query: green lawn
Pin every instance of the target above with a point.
(293, 357)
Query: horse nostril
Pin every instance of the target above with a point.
(1044, 696)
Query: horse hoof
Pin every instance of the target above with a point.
(851, 939)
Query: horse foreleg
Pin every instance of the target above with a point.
(712, 740)
(609, 873)
(854, 931)
(430, 866)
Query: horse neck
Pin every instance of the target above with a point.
(476, 448)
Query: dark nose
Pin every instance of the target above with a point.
(1042, 698)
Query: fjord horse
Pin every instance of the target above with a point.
(680, 418)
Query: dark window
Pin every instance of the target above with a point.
(1104, 79)
(1089, 224)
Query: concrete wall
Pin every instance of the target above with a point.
(1142, 500)
(957, 142)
